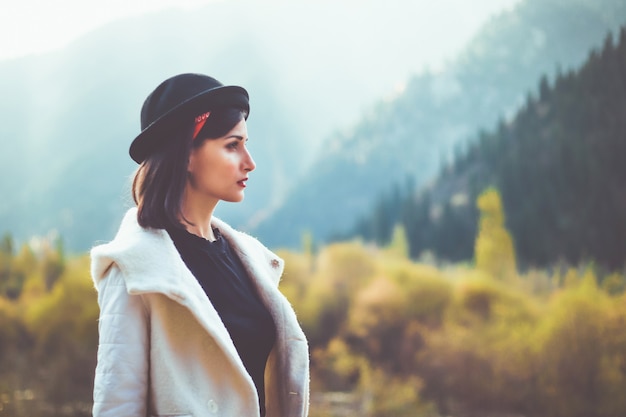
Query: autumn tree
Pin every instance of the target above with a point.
(494, 249)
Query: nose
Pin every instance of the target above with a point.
(248, 162)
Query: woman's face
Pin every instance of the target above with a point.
(218, 169)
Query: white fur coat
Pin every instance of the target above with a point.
(163, 349)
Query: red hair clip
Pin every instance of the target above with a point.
(200, 121)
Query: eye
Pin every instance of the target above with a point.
(233, 144)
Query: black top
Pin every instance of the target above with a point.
(222, 276)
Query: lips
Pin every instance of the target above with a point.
(242, 182)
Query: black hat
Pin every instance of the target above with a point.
(182, 96)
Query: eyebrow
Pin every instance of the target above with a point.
(235, 137)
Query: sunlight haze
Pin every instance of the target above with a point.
(37, 26)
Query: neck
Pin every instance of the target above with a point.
(197, 212)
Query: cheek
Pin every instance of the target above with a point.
(198, 167)
(227, 161)
(215, 166)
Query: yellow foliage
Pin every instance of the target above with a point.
(34, 288)
(345, 265)
(537, 282)
(379, 305)
(66, 314)
(398, 333)
(615, 357)
(337, 366)
(399, 245)
(486, 299)
(26, 261)
(614, 284)
(574, 345)
(394, 396)
(481, 355)
(340, 271)
(494, 249)
(296, 276)
(427, 291)
(403, 292)
(9, 324)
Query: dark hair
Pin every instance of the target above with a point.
(160, 180)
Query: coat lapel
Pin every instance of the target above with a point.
(266, 268)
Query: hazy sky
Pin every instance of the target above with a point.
(33, 26)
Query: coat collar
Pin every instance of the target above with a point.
(141, 254)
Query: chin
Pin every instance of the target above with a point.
(236, 199)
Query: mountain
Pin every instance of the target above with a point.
(414, 133)
(558, 164)
(68, 116)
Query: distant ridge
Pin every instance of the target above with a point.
(414, 133)
(558, 165)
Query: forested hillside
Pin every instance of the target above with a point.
(413, 133)
(559, 165)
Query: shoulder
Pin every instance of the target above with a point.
(252, 252)
(133, 250)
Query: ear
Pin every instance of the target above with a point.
(191, 161)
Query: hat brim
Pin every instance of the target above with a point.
(153, 136)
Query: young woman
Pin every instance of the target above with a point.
(191, 320)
